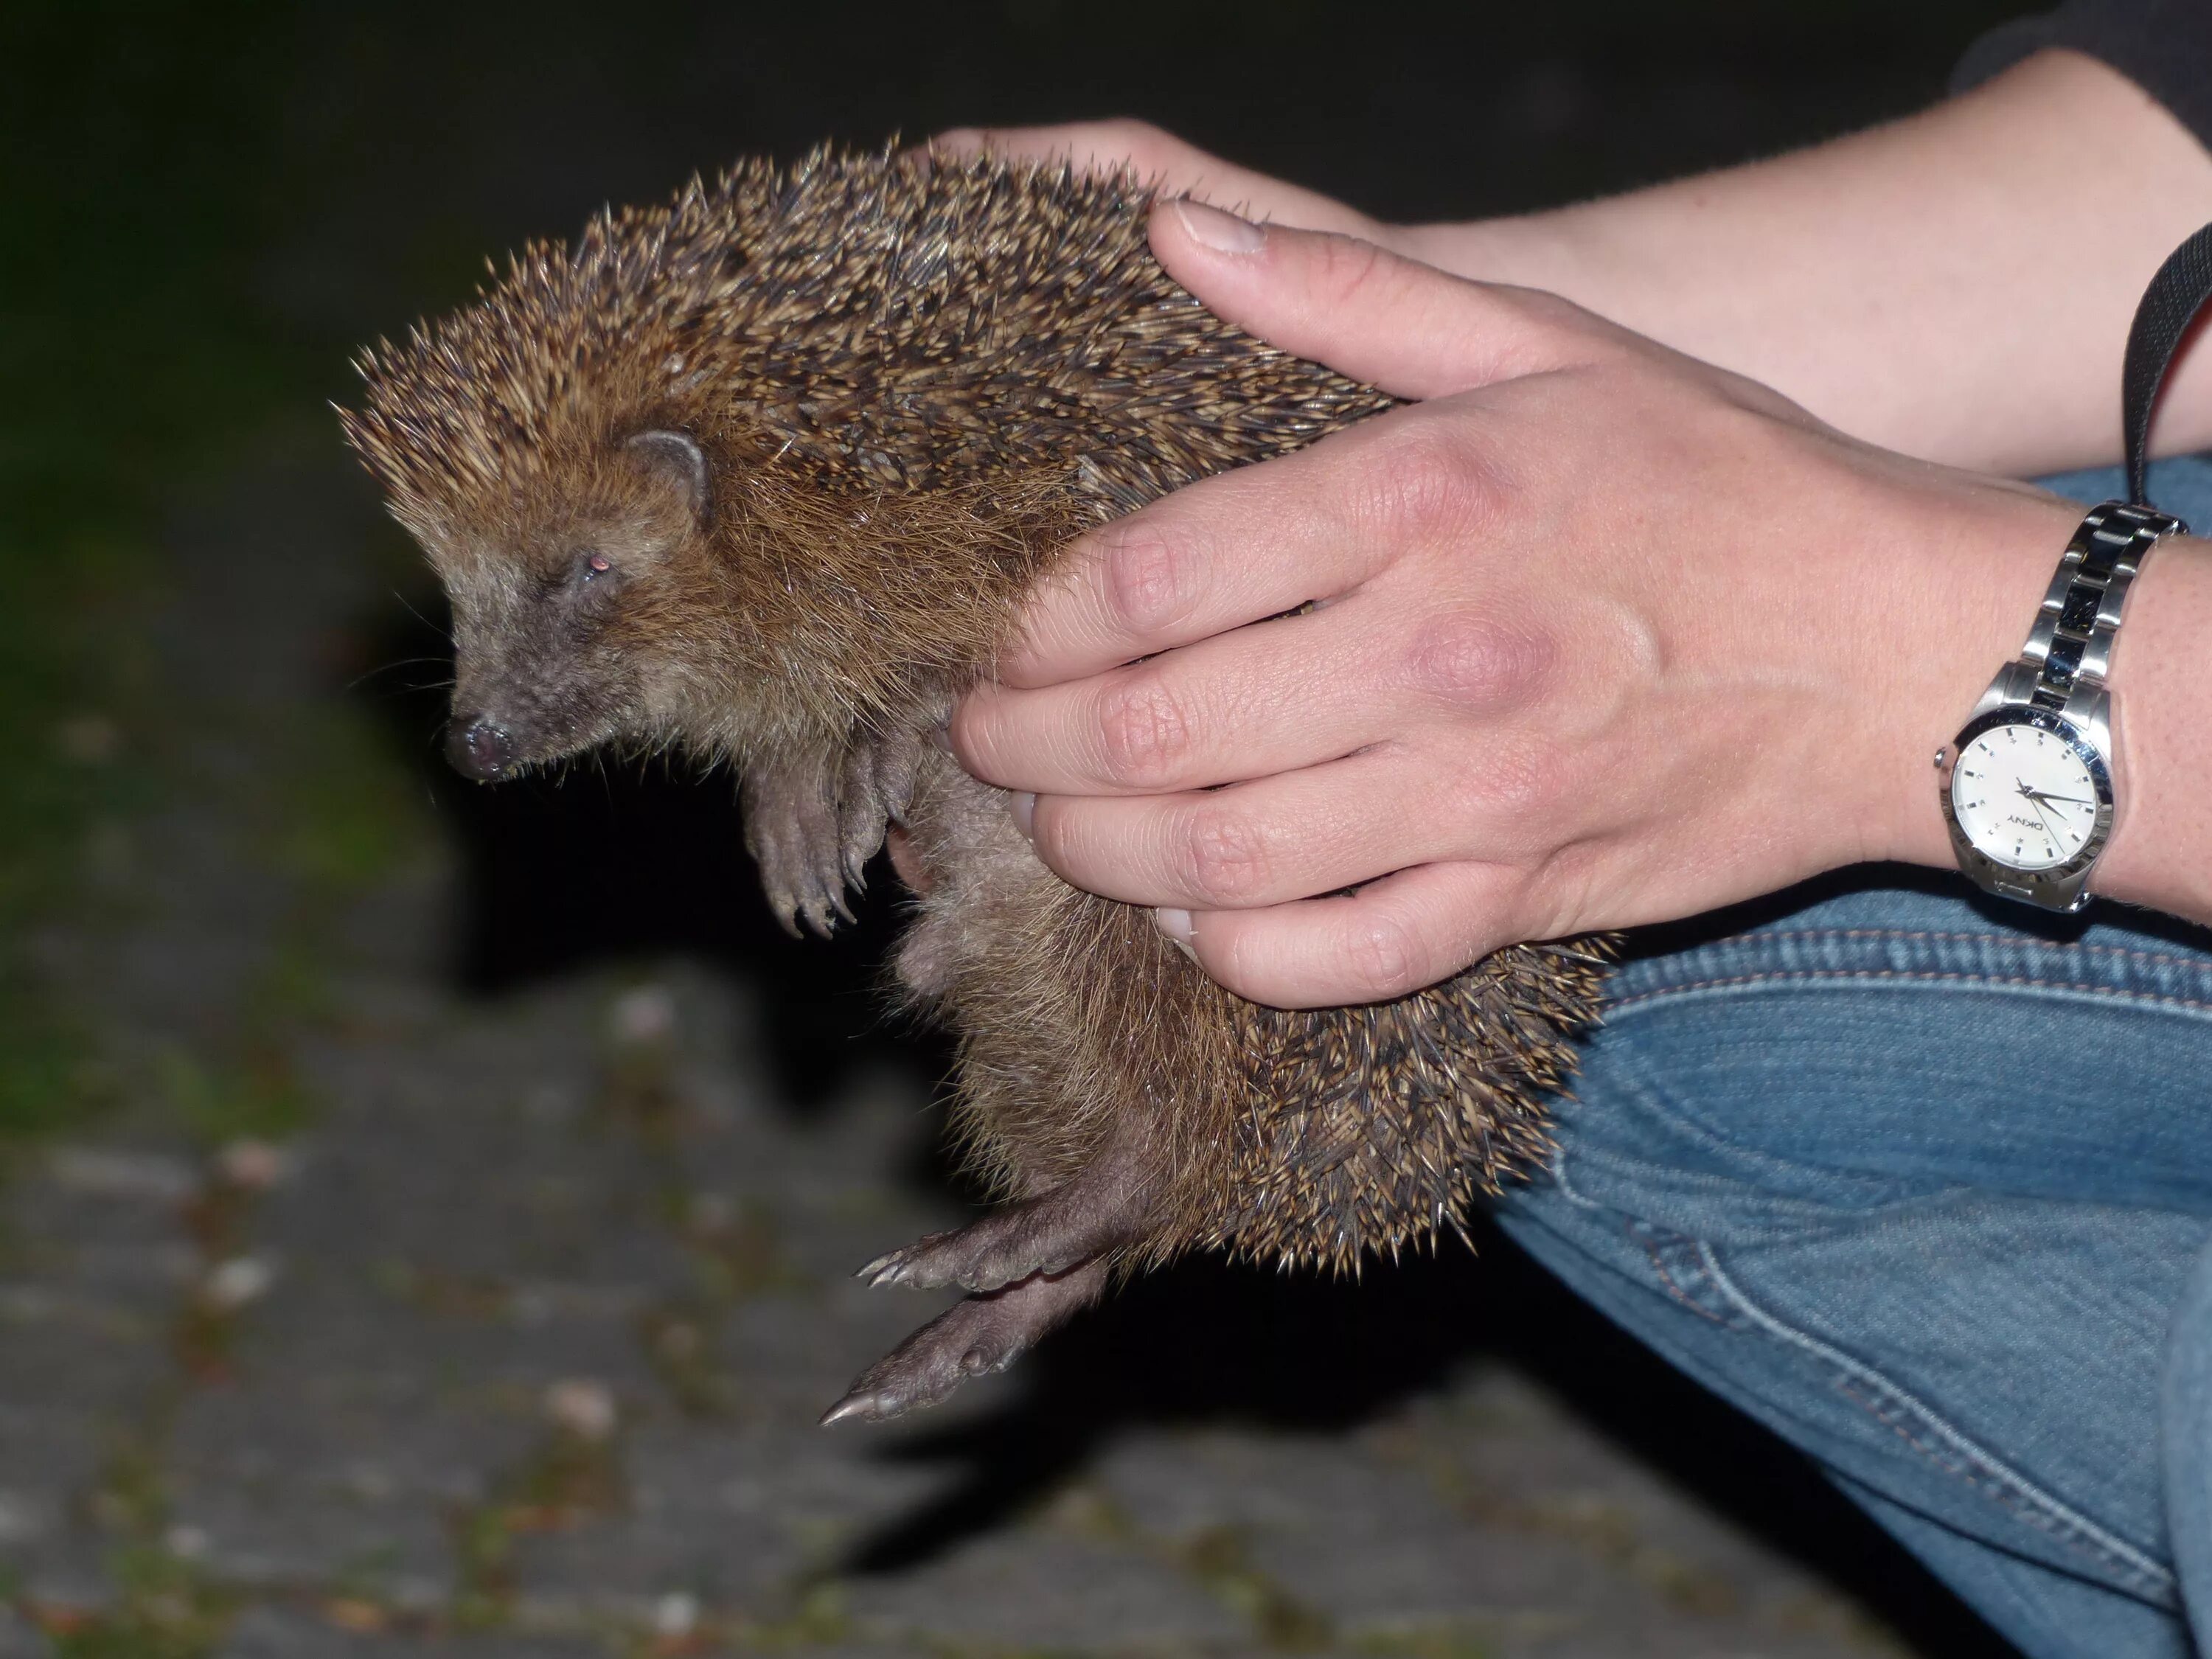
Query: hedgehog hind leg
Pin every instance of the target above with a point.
(973, 1337)
(814, 816)
(1108, 1205)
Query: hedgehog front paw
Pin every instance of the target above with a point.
(984, 1334)
(792, 831)
(814, 818)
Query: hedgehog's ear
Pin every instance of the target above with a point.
(676, 456)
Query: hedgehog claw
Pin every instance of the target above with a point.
(879, 1272)
(982, 1335)
(822, 918)
(1102, 1209)
(980, 1259)
(867, 1407)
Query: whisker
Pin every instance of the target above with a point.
(406, 604)
(368, 675)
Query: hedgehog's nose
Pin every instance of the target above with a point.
(479, 749)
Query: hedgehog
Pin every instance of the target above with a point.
(761, 476)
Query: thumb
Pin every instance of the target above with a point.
(1370, 315)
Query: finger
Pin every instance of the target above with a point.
(1390, 939)
(1165, 163)
(1244, 704)
(1370, 314)
(1224, 551)
(1309, 527)
(1318, 829)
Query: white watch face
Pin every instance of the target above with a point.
(2024, 798)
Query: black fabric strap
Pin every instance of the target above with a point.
(2169, 306)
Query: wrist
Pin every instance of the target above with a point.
(1987, 552)
(1994, 573)
(2162, 824)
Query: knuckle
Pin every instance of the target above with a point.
(1382, 954)
(1260, 962)
(1150, 578)
(1424, 484)
(976, 735)
(1058, 833)
(1237, 958)
(1223, 857)
(1479, 661)
(1143, 731)
(1549, 310)
(1552, 329)
(1147, 146)
(1747, 418)
(1347, 271)
(1551, 901)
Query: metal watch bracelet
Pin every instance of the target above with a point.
(2057, 684)
(2070, 647)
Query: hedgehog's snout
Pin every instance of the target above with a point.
(480, 748)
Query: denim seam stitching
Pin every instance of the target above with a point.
(1558, 1166)
(1957, 976)
(1674, 1288)
(2011, 1491)
(2001, 941)
(1629, 1226)
(1999, 1490)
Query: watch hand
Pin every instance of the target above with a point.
(2035, 798)
(2045, 794)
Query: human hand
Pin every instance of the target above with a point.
(1173, 168)
(1816, 272)
(1602, 636)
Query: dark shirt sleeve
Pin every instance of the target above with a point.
(2164, 47)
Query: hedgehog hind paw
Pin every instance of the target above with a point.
(989, 1255)
(973, 1337)
(1106, 1207)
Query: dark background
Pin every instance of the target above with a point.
(208, 208)
(204, 210)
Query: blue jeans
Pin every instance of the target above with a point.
(1923, 1182)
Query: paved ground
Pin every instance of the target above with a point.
(527, 1337)
(443, 1322)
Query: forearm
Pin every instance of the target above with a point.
(1957, 285)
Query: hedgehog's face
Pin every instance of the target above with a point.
(569, 627)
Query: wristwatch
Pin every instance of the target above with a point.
(2028, 783)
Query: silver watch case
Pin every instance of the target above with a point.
(2085, 724)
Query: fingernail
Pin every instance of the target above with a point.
(941, 736)
(1224, 233)
(960, 142)
(1175, 927)
(1023, 804)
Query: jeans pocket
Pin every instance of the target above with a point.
(1949, 1471)
(1990, 1361)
